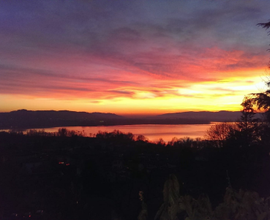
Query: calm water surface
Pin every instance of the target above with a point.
(151, 132)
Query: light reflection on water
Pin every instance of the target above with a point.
(150, 131)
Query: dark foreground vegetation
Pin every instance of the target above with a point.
(68, 176)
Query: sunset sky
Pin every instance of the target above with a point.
(131, 56)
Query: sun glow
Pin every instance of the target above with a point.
(225, 94)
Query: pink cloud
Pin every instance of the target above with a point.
(86, 75)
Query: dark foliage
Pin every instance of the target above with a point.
(70, 176)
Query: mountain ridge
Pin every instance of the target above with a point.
(212, 116)
(24, 119)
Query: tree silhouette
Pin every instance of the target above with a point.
(261, 100)
(249, 127)
(219, 133)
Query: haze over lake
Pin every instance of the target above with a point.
(151, 131)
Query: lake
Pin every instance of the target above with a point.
(153, 132)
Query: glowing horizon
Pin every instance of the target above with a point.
(139, 58)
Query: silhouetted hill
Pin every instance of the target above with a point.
(39, 119)
(23, 119)
(221, 116)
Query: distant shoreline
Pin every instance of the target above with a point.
(24, 119)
